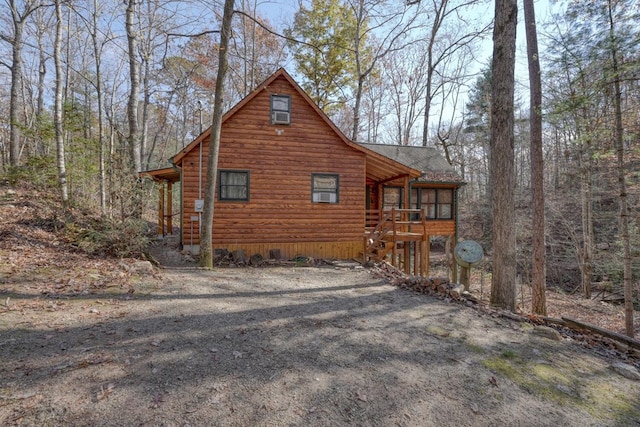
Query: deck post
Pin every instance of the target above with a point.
(426, 255)
(394, 251)
(169, 208)
(161, 209)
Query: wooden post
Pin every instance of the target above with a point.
(427, 255)
(169, 208)
(464, 277)
(424, 246)
(451, 243)
(365, 243)
(394, 252)
(407, 256)
(161, 209)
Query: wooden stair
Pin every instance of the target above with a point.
(394, 229)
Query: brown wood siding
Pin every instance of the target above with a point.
(441, 227)
(279, 210)
(339, 250)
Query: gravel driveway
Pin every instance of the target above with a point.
(313, 346)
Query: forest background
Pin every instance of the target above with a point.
(94, 92)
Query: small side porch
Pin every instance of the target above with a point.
(402, 237)
(165, 178)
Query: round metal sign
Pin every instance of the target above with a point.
(468, 252)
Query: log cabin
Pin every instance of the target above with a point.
(290, 183)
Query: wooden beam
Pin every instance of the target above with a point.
(393, 178)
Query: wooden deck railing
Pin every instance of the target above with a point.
(384, 229)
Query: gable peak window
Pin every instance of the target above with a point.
(280, 109)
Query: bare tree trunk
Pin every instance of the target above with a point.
(19, 20)
(538, 261)
(586, 198)
(134, 77)
(503, 289)
(42, 23)
(624, 211)
(62, 169)
(437, 22)
(101, 139)
(206, 233)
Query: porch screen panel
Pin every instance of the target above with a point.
(445, 204)
(429, 202)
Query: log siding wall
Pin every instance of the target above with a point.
(281, 159)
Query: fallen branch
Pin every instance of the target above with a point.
(631, 342)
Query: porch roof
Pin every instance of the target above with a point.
(164, 174)
(433, 166)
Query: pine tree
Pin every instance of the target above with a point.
(324, 33)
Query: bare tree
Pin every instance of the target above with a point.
(440, 47)
(502, 155)
(134, 89)
(619, 145)
(62, 168)
(206, 233)
(371, 16)
(538, 261)
(405, 71)
(20, 12)
(43, 21)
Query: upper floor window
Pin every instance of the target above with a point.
(233, 185)
(280, 109)
(324, 188)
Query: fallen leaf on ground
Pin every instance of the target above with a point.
(362, 397)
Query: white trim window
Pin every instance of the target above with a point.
(280, 109)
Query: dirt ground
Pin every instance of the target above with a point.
(290, 346)
(99, 342)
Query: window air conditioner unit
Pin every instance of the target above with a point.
(324, 197)
(281, 118)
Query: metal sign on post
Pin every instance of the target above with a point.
(467, 253)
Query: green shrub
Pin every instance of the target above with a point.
(40, 172)
(107, 237)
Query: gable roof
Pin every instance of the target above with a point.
(378, 165)
(428, 160)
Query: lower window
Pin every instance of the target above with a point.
(324, 188)
(233, 185)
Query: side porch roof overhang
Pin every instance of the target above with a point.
(164, 174)
(383, 169)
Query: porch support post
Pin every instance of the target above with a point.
(426, 255)
(161, 209)
(380, 200)
(169, 208)
(405, 217)
(423, 257)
